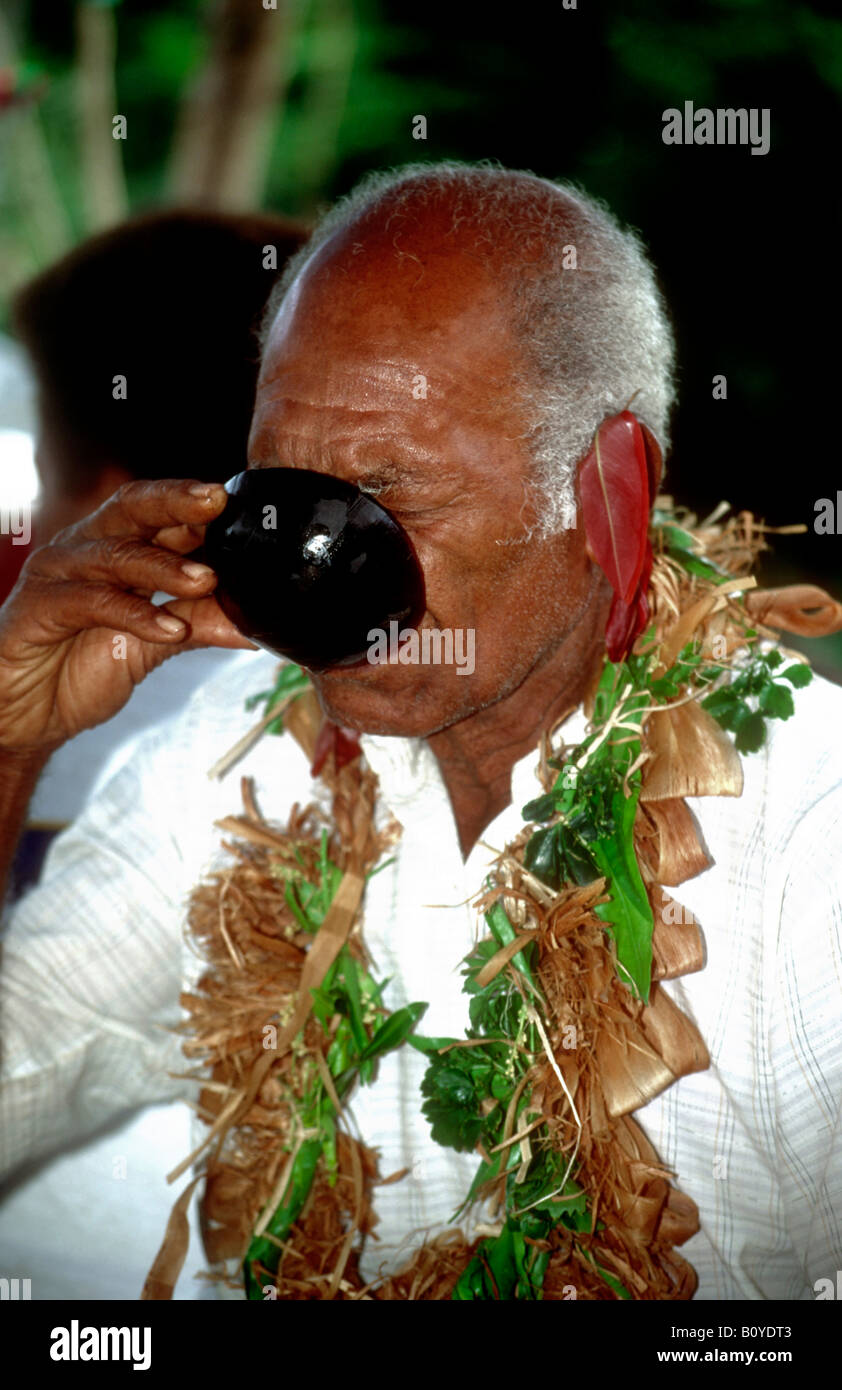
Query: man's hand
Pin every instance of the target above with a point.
(78, 632)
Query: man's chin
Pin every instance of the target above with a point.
(388, 702)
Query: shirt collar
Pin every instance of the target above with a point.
(409, 774)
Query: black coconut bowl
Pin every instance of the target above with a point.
(307, 565)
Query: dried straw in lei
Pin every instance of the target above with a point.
(261, 965)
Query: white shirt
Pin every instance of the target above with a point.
(94, 962)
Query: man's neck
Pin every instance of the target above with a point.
(476, 756)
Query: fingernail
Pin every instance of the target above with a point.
(205, 490)
(170, 624)
(194, 571)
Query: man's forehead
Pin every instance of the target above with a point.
(406, 281)
(311, 369)
(393, 439)
(339, 345)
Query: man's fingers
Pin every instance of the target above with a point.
(108, 581)
(126, 562)
(182, 539)
(64, 608)
(146, 508)
(208, 625)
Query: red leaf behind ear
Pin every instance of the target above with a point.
(618, 632)
(626, 621)
(614, 487)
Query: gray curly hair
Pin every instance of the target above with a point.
(589, 317)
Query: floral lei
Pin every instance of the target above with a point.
(569, 1029)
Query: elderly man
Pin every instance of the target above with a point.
(449, 341)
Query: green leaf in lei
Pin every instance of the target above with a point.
(594, 834)
(504, 1268)
(504, 933)
(290, 679)
(750, 731)
(468, 1089)
(628, 913)
(510, 1266)
(682, 547)
(798, 675)
(775, 697)
(452, 1088)
(754, 694)
(348, 993)
(262, 1250)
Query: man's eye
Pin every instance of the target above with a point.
(408, 512)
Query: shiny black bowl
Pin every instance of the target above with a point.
(307, 565)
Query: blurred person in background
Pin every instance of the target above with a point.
(119, 397)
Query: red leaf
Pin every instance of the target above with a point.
(344, 744)
(614, 487)
(621, 620)
(646, 570)
(626, 621)
(653, 462)
(642, 617)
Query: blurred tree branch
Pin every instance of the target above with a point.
(224, 133)
(28, 171)
(103, 181)
(332, 49)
